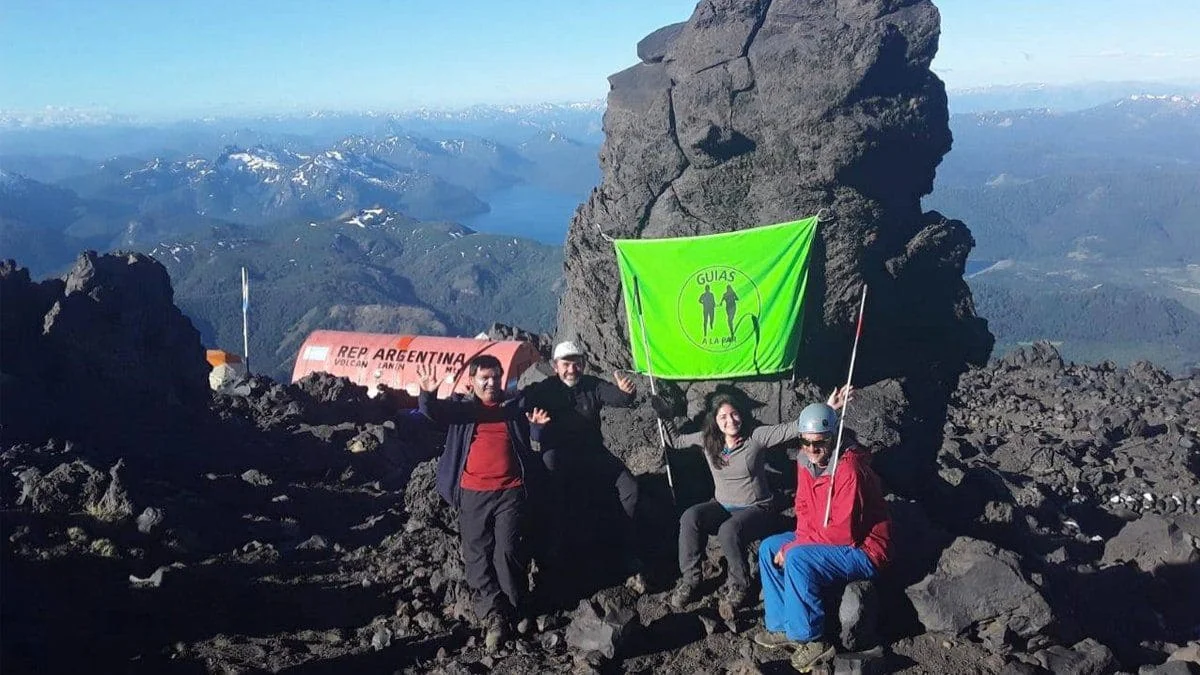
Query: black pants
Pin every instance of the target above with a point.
(735, 530)
(490, 524)
(570, 468)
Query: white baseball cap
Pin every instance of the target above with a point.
(567, 349)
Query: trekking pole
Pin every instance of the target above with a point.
(662, 434)
(837, 447)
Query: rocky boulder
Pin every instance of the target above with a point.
(1088, 657)
(600, 626)
(977, 582)
(758, 112)
(110, 347)
(1153, 541)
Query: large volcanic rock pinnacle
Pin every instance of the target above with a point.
(761, 111)
(101, 350)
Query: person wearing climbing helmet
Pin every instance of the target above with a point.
(853, 544)
(743, 508)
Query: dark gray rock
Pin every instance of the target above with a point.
(149, 519)
(1171, 668)
(860, 663)
(975, 581)
(876, 413)
(541, 342)
(99, 353)
(600, 628)
(858, 616)
(256, 477)
(117, 322)
(1088, 657)
(313, 543)
(75, 487)
(1020, 668)
(1151, 542)
(1189, 653)
(1040, 354)
(155, 580)
(65, 489)
(114, 504)
(25, 388)
(653, 47)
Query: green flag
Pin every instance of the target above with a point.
(719, 305)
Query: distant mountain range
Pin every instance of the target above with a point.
(1097, 215)
(259, 185)
(1058, 97)
(91, 135)
(1117, 181)
(373, 270)
(133, 203)
(342, 217)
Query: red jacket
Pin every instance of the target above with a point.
(859, 516)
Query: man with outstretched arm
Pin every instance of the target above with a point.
(483, 471)
(573, 445)
(853, 545)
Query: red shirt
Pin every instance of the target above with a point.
(859, 516)
(491, 462)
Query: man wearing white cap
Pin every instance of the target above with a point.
(573, 444)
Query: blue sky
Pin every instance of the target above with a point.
(164, 57)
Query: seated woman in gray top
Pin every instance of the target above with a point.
(741, 510)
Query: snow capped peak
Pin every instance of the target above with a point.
(9, 179)
(59, 116)
(255, 162)
(1166, 102)
(1173, 98)
(373, 217)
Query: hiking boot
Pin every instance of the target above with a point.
(809, 654)
(495, 631)
(771, 639)
(682, 594)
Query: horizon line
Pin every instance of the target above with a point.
(112, 115)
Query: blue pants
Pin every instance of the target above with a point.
(792, 594)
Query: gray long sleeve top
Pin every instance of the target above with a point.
(743, 480)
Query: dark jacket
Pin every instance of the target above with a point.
(575, 411)
(458, 415)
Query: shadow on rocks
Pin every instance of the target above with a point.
(92, 609)
(404, 653)
(1132, 611)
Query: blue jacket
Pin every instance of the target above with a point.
(458, 414)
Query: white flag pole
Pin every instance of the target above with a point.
(662, 435)
(837, 448)
(245, 320)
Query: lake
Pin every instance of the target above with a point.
(528, 211)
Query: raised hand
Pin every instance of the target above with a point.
(538, 416)
(624, 382)
(427, 378)
(779, 557)
(840, 397)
